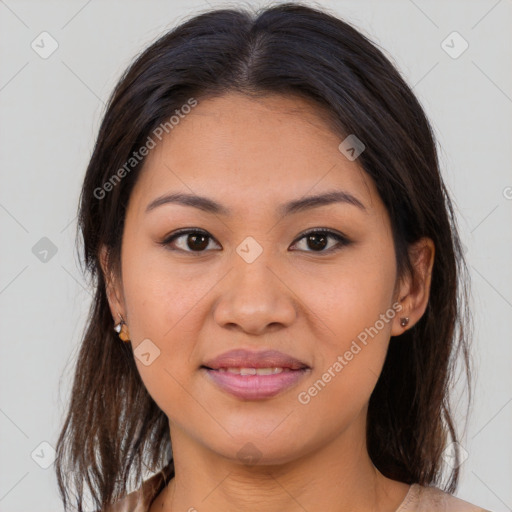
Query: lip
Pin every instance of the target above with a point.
(241, 358)
(255, 387)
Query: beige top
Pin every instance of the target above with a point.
(417, 499)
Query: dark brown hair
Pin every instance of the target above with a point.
(113, 427)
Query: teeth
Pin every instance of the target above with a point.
(254, 371)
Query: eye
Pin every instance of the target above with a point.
(195, 240)
(318, 240)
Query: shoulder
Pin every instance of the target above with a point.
(432, 499)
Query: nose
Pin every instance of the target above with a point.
(255, 299)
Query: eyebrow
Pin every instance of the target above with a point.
(298, 205)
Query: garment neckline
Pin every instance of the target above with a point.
(411, 494)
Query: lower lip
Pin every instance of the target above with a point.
(256, 387)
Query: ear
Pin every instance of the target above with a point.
(414, 290)
(113, 286)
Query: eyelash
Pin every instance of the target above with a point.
(341, 239)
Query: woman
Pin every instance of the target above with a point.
(280, 286)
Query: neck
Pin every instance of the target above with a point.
(337, 476)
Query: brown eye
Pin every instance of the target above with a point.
(192, 241)
(317, 240)
(197, 241)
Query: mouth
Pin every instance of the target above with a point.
(255, 383)
(255, 375)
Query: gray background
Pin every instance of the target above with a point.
(50, 113)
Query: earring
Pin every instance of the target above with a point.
(404, 321)
(119, 329)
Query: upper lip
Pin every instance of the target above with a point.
(241, 358)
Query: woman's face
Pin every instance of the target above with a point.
(256, 281)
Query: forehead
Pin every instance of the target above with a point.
(242, 150)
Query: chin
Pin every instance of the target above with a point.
(258, 448)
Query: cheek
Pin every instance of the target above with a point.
(352, 298)
(164, 311)
(356, 313)
(160, 297)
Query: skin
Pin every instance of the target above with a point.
(252, 155)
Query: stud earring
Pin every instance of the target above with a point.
(119, 329)
(404, 321)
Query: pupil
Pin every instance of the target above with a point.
(317, 245)
(202, 245)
